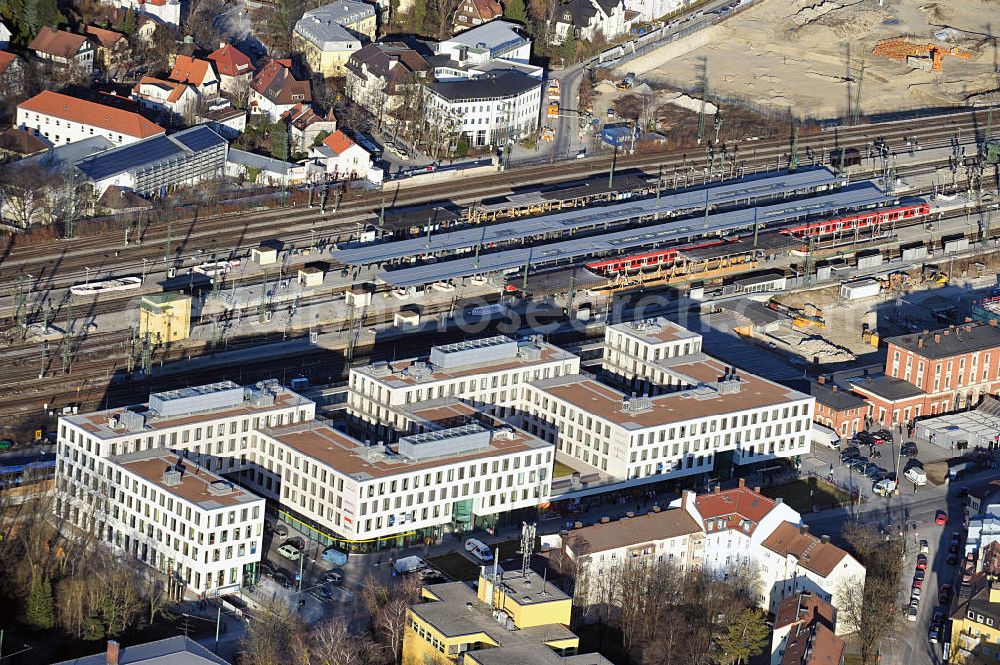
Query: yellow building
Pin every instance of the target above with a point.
(165, 317)
(526, 624)
(975, 628)
(329, 35)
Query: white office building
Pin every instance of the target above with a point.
(495, 107)
(640, 353)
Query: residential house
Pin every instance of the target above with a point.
(587, 19)
(274, 90)
(179, 100)
(669, 537)
(145, 24)
(330, 34)
(493, 109)
(975, 627)
(795, 560)
(496, 40)
(384, 78)
(983, 529)
(16, 143)
(652, 10)
(933, 373)
(11, 73)
(235, 70)
(63, 119)
(179, 650)
(261, 170)
(5, 36)
(804, 632)
(305, 125)
(113, 49)
(471, 13)
(198, 73)
(224, 118)
(167, 11)
(156, 164)
(343, 158)
(64, 49)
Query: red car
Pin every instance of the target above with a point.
(918, 584)
(922, 562)
(941, 517)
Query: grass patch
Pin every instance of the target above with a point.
(560, 470)
(797, 494)
(455, 566)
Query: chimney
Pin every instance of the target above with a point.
(779, 500)
(824, 539)
(822, 379)
(946, 331)
(833, 387)
(743, 482)
(756, 489)
(803, 529)
(920, 342)
(937, 338)
(113, 650)
(717, 489)
(993, 322)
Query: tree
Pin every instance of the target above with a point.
(40, 610)
(25, 199)
(127, 25)
(279, 141)
(387, 606)
(332, 643)
(273, 636)
(567, 50)
(746, 635)
(28, 16)
(515, 11)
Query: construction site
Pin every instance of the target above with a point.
(825, 60)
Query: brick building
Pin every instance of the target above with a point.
(936, 372)
(840, 410)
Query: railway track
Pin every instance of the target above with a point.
(296, 225)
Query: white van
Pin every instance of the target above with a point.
(824, 436)
(916, 476)
(884, 487)
(478, 549)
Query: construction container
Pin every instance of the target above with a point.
(869, 260)
(823, 273)
(915, 252)
(406, 318)
(617, 135)
(860, 289)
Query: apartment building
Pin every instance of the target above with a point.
(329, 35)
(805, 632)
(64, 49)
(459, 475)
(934, 373)
(489, 373)
(975, 627)
(715, 418)
(669, 537)
(183, 520)
(63, 119)
(745, 529)
(638, 353)
(210, 425)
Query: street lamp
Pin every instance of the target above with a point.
(87, 269)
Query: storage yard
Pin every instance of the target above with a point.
(807, 56)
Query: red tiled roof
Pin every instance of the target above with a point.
(21, 142)
(488, 9)
(91, 113)
(6, 57)
(804, 607)
(276, 83)
(176, 89)
(302, 115)
(57, 42)
(190, 70)
(338, 142)
(230, 61)
(736, 507)
(812, 553)
(107, 38)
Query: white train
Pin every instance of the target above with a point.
(107, 286)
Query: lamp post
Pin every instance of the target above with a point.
(87, 269)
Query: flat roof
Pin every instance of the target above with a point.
(97, 423)
(655, 331)
(605, 402)
(351, 457)
(588, 218)
(196, 482)
(865, 195)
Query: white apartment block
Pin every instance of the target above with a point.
(616, 438)
(446, 477)
(182, 520)
(488, 373)
(209, 426)
(62, 119)
(640, 353)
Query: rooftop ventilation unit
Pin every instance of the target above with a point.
(220, 488)
(256, 396)
(173, 476)
(128, 420)
(446, 442)
(221, 395)
(474, 352)
(380, 369)
(636, 404)
(419, 371)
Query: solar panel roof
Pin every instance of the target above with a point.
(198, 138)
(584, 218)
(148, 152)
(862, 195)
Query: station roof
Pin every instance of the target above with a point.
(628, 239)
(589, 218)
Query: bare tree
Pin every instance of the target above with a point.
(274, 635)
(387, 606)
(332, 643)
(869, 608)
(24, 198)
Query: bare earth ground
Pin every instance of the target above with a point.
(793, 54)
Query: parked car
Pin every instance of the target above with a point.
(290, 552)
(915, 592)
(918, 584)
(333, 577)
(884, 487)
(908, 449)
(298, 543)
(848, 453)
(921, 562)
(478, 549)
(952, 558)
(918, 574)
(334, 556)
(934, 634)
(280, 531)
(911, 614)
(941, 517)
(924, 548)
(944, 595)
